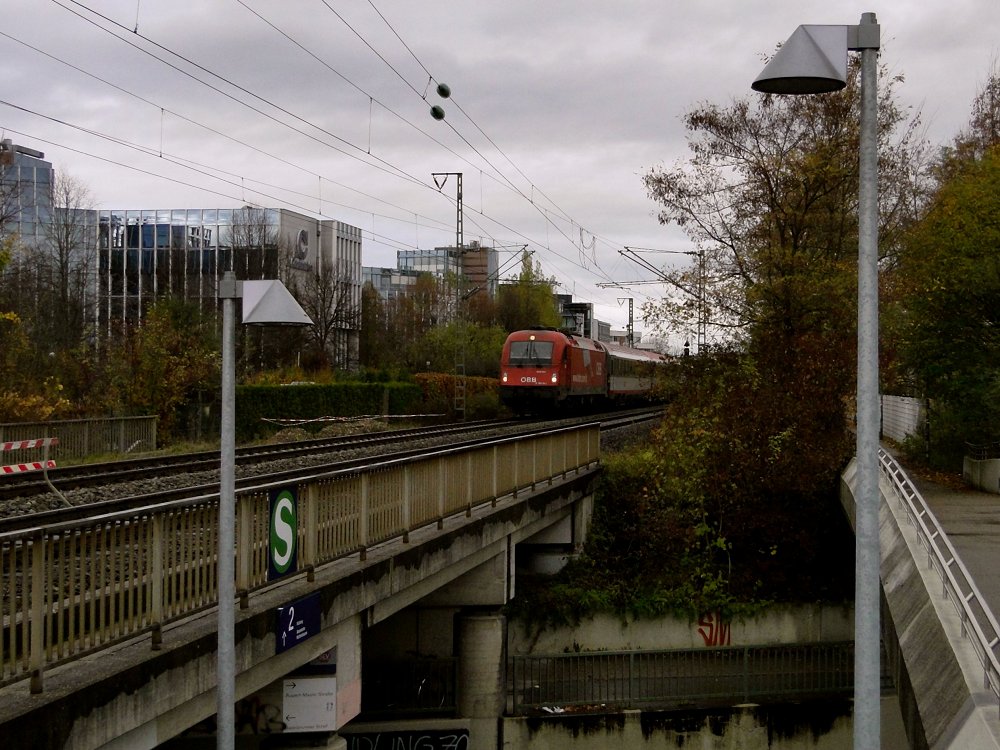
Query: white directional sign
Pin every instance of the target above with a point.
(310, 704)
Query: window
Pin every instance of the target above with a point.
(530, 353)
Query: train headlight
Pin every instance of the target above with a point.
(504, 377)
(555, 378)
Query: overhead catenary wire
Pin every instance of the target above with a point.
(268, 153)
(484, 214)
(383, 164)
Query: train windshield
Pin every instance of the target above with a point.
(530, 353)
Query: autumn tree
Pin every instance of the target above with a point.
(527, 301)
(768, 197)
(161, 366)
(948, 311)
(742, 478)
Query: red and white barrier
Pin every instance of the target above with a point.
(23, 444)
(18, 445)
(33, 466)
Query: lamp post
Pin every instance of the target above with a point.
(264, 302)
(814, 61)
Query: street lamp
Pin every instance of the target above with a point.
(264, 302)
(814, 61)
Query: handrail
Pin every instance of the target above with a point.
(663, 678)
(979, 624)
(74, 587)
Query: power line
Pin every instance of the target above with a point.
(386, 166)
(392, 169)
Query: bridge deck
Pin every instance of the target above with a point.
(971, 518)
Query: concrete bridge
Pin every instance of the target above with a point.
(109, 627)
(938, 626)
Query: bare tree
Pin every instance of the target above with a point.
(253, 239)
(329, 295)
(67, 263)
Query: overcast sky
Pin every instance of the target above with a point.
(558, 108)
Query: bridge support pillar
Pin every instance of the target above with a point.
(482, 639)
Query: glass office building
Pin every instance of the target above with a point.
(146, 254)
(26, 185)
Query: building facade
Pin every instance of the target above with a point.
(127, 259)
(27, 182)
(461, 273)
(146, 254)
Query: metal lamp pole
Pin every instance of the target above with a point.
(867, 659)
(264, 302)
(813, 61)
(226, 655)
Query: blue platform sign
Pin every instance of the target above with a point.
(282, 548)
(297, 622)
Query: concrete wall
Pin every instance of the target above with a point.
(982, 474)
(784, 624)
(822, 725)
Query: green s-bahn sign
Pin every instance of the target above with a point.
(282, 548)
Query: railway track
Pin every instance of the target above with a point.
(98, 489)
(113, 472)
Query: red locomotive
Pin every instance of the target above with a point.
(545, 369)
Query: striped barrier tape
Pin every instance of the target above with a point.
(24, 444)
(17, 445)
(34, 466)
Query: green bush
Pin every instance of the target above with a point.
(257, 404)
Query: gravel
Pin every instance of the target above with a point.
(613, 440)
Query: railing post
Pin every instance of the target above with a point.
(407, 499)
(534, 463)
(311, 542)
(363, 520)
(244, 548)
(516, 468)
(442, 489)
(36, 644)
(157, 573)
(746, 674)
(468, 483)
(494, 489)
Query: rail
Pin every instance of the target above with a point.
(73, 588)
(979, 625)
(680, 677)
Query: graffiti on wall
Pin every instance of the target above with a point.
(714, 630)
(447, 739)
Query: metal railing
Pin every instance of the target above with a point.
(679, 677)
(979, 625)
(983, 451)
(73, 588)
(407, 688)
(79, 438)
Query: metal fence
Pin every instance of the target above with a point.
(79, 438)
(77, 587)
(408, 688)
(680, 677)
(903, 416)
(979, 624)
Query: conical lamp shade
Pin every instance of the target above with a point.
(269, 302)
(812, 61)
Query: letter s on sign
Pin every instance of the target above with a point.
(283, 532)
